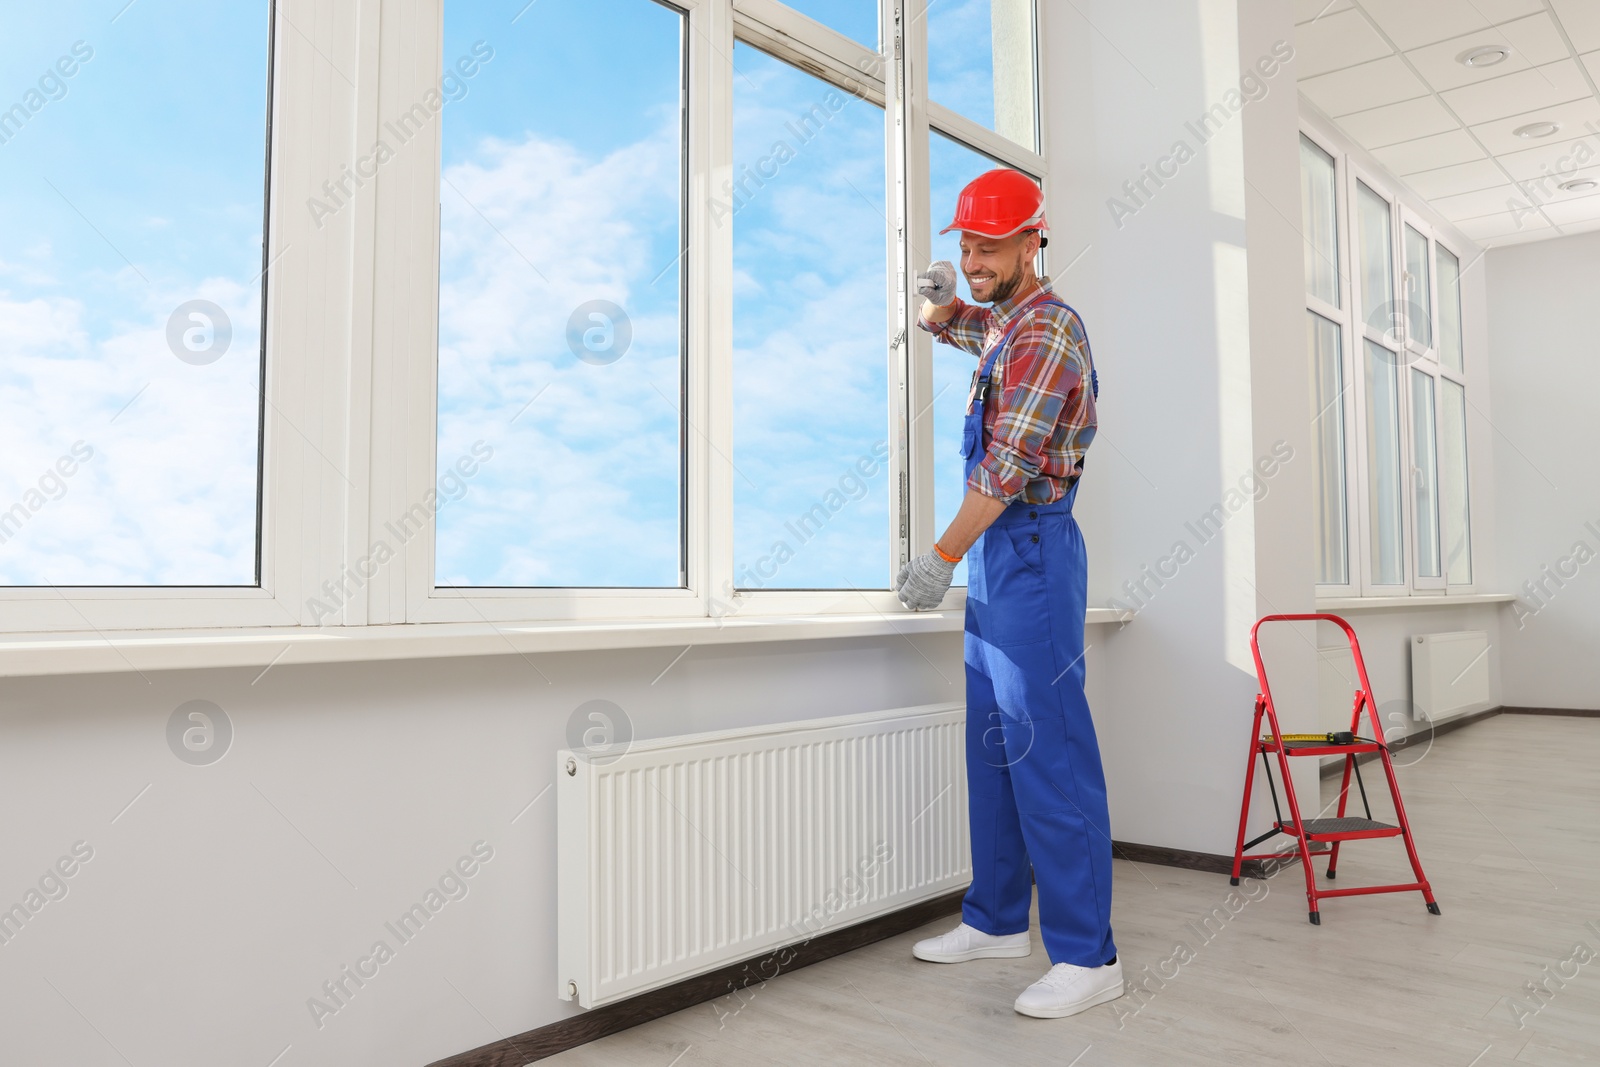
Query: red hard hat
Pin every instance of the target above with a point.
(999, 203)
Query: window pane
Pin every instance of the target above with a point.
(1385, 527)
(1320, 221)
(951, 165)
(1419, 300)
(856, 19)
(980, 63)
(131, 234)
(1327, 377)
(810, 359)
(1424, 474)
(560, 296)
(1376, 251)
(1449, 309)
(1453, 503)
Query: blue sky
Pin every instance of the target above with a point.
(134, 192)
(568, 144)
(809, 363)
(135, 186)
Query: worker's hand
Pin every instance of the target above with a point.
(937, 284)
(922, 583)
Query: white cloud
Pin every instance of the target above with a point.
(169, 495)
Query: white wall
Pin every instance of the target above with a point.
(223, 898)
(1188, 403)
(1546, 379)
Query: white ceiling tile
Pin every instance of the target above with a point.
(1336, 41)
(1483, 202)
(1524, 90)
(1383, 81)
(1500, 225)
(1577, 118)
(1533, 42)
(1560, 158)
(1306, 10)
(1461, 178)
(1429, 153)
(1580, 227)
(1581, 19)
(1393, 123)
(1413, 23)
(1573, 209)
(1522, 238)
(1592, 61)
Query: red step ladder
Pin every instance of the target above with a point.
(1335, 831)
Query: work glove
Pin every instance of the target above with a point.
(937, 284)
(922, 583)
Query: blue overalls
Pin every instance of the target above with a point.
(1036, 790)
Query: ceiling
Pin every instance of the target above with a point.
(1388, 72)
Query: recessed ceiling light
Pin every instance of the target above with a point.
(1486, 56)
(1580, 185)
(1536, 129)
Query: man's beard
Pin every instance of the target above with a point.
(1006, 288)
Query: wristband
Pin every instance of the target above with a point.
(940, 552)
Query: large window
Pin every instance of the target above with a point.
(486, 311)
(811, 388)
(560, 296)
(668, 299)
(132, 221)
(1392, 507)
(1327, 317)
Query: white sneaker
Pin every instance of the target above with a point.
(968, 943)
(1067, 990)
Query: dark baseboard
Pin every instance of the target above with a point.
(612, 1018)
(1209, 862)
(1583, 713)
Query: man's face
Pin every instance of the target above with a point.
(996, 267)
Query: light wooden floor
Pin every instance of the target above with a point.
(1507, 818)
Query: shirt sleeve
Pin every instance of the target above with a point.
(1043, 369)
(965, 329)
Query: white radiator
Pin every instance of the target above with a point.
(690, 853)
(1449, 674)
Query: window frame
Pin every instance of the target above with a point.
(1411, 354)
(1393, 342)
(288, 462)
(1343, 315)
(818, 50)
(1423, 358)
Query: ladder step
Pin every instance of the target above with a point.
(1328, 828)
(1320, 748)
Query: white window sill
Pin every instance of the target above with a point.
(1410, 603)
(159, 650)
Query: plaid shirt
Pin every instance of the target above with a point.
(1040, 416)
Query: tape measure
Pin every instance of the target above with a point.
(1340, 737)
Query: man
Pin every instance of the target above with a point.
(1037, 794)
